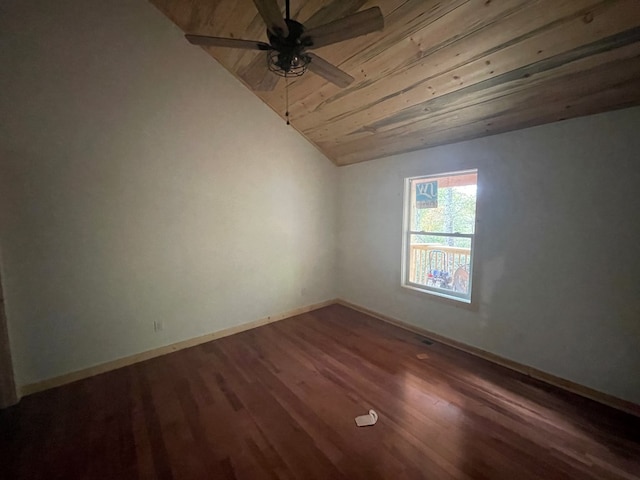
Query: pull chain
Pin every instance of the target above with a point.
(286, 96)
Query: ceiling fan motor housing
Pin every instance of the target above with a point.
(288, 57)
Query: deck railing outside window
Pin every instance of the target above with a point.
(440, 266)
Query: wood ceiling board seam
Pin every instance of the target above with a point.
(384, 150)
(529, 73)
(373, 111)
(412, 114)
(430, 107)
(336, 102)
(624, 96)
(487, 112)
(396, 80)
(584, 84)
(628, 86)
(570, 76)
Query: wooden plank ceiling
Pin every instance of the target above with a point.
(440, 71)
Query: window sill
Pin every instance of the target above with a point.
(467, 304)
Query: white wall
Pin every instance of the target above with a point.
(139, 181)
(557, 258)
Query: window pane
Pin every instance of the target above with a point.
(440, 262)
(444, 204)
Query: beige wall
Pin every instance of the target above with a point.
(140, 182)
(557, 260)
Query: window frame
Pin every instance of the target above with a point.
(407, 233)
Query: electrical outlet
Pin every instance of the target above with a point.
(157, 326)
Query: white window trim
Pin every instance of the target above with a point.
(406, 240)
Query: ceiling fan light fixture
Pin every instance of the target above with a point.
(288, 65)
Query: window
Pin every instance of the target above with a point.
(439, 229)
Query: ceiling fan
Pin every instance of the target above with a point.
(288, 52)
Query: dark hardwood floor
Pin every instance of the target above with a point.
(279, 402)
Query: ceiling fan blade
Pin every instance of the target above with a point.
(360, 23)
(227, 42)
(329, 71)
(258, 76)
(272, 16)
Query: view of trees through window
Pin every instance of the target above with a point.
(456, 213)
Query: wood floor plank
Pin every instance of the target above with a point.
(278, 402)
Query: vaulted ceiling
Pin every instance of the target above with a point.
(440, 71)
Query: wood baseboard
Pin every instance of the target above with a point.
(604, 398)
(157, 352)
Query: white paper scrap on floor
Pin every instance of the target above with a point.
(367, 420)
